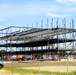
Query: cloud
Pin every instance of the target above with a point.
(7, 10)
(57, 15)
(13, 10)
(1, 19)
(66, 1)
(73, 9)
(68, 7)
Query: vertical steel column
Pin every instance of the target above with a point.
(10, 50)
(37, 30)
(65, 47)
(51, 29)
(32, 43)
(52, 24)
(58, 40)
(70, 32)
(7, 38)
(63, 34)
(42, 36)
(48, 36)
(73, 37)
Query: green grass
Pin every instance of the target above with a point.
(25, 71)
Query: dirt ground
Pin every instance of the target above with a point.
(41, 63)
(4, 72)
(54, 66)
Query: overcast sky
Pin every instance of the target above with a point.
(26, 12)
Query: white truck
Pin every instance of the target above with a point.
(1, 65)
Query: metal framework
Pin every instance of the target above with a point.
(31, 39)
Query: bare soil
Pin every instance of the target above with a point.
(55, 66)
(41, 63)
(5, 72)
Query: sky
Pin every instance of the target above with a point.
(26, 12)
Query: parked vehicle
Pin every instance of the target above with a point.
(1, 65)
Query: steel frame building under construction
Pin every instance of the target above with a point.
(27, 40)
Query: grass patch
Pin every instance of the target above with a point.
(25, 71)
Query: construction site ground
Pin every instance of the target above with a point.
(52, 66)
